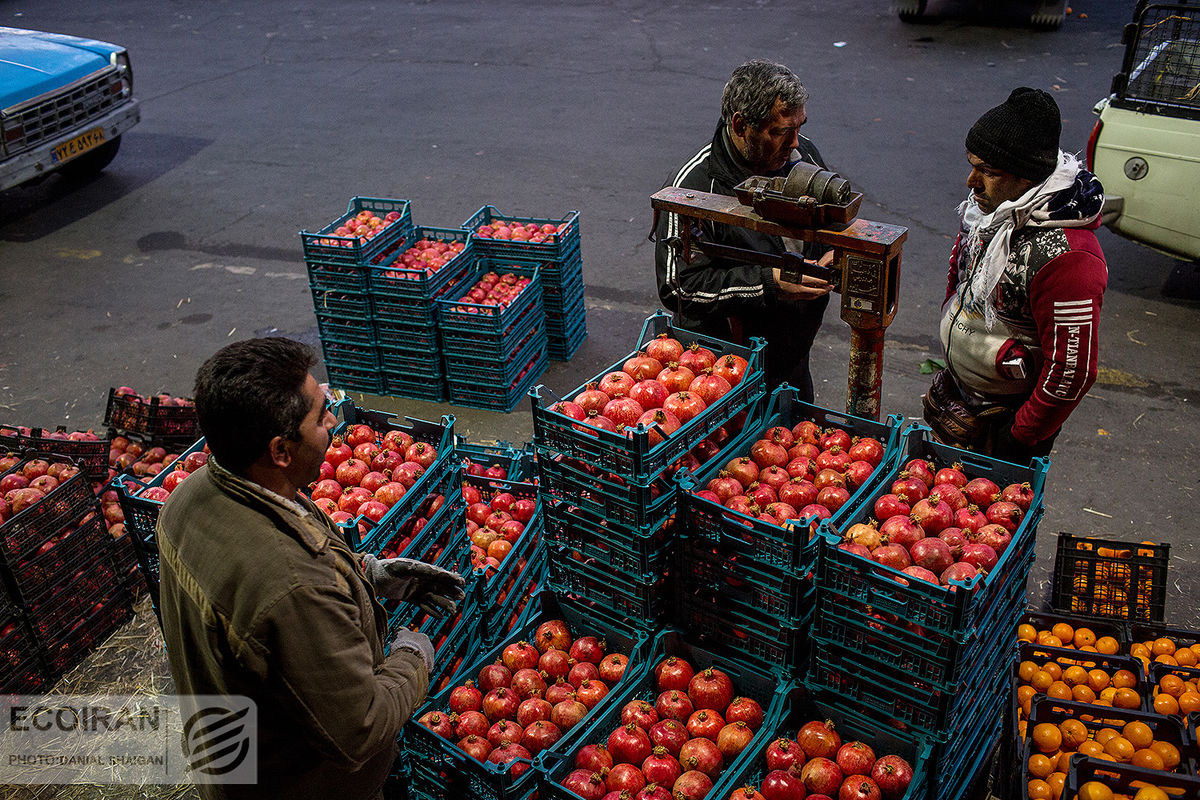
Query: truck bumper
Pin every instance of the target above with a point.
(39, 162)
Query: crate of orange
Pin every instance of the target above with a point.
(1107, 578)
(1175, 691)
(1098, 779)
(1061, 731)
(1162, 644)
(1102, 679)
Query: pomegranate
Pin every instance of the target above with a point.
(642, 366)
(500, 703)
(901, 531)
(979, 555)
(1006, 514)
(614, 384)
(710, 688)
(520, 655)
(706, 724)
(981, 491)
(676, 378)
(685, 405)
(593, 758)
(744, 709)
(493, 676)
(439, 723)
(664, 349)
(640, 713)
(692, 785)
(623, 411)
(892, 774)
(798, 493)
(958, 571)
(922, 470)
(932, 553)
(465, 698)
(818, 739)
(697, 358)
(660, 423)
(955, 538)
(970, 518)
(782, 784)
(855, 758)
(710, 388)
(891, 555)
(629, 744)
(591, 692)
(731, 367)
(674, 705)
(555, 663)
(784, 753)
(909, 489)
(821, 776)
(588, 785)
(567, 714)
(591, 399)
(476, 747)
(539, 736)
(566, 408)
(953, 495)
(661, 767)
(864, 534)
(652, 791)
(674, 673)
(702, 755)
(1019, 494)
(859, 787)
(733, 739)
(995, 537)
(582, 671)
(552, 635)
(612, 668)
(527, 683)
(921, 573)
(559, 691)
(532, 710)
(933, 514)
(625, 778)
(587, 648)
(670, 734)
(472, 723)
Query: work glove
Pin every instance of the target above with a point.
(415, 642)
(437, 591)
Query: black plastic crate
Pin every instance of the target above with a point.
(152, 418)
(68, 646)
(22, 534)
(77, 546)
(90, 455)
(1127, 779)
(56, 611)
(1110, 578)
(21, 668)
(326, 246)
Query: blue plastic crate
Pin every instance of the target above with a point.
(769, 690)
(394, 281)
(519, 463)
(786, 546)
(804, 706)
(326, 246)
(562, 245)
(452, 773)
(631, 456)
(502, 398)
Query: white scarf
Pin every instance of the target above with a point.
(994, 231)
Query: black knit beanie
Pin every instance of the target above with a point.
(1019, 136)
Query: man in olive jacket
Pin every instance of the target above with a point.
(260, 596)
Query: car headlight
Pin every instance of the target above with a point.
(120, 60)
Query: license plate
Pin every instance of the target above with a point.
(79, 145)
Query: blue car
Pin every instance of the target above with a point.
(64, 104)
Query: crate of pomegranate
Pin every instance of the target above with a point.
(86, 448)
(21, 670)
(77, 546)
(499, 461)
(819, 750)
(42, 497)
(428, 265)
(1101, 577)
(162, 417)
(500, 236)
(690, 717)
(506, 526)
(456, 638)
(629, 441)
(984, 512)
(536, 692)
(1059, 730)
(798, 465)
(367, 233)
(74, 641)
(1097, 778)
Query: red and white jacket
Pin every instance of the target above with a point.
(1042, 353)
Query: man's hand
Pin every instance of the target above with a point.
(809, 288)
(415, 642)
(435, 590)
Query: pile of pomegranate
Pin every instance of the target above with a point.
(519, 231)
(28, 482)
(424, 257)
(662, 387)
(363, 226)
(495, 526)
(938, 525)
(796, 473)
(492, 289)
(816, 765)
(139, 459)
(528, 698)
(478, 469)
(674, 748)
(365, 473)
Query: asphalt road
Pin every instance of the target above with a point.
(260, 119)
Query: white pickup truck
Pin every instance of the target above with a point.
(1145, 146)
(64, 103)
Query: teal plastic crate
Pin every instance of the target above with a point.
(345, 305)
(743, 631)
(458, 316)
(350, 355)
(502, 370)
(396, 282)
(436, 517)
(447, 772)
(333, 328)
(424, 338)
(326, 246)
(413, 361)
(631, 456)
(494, 346)
(768, 690)
(501, 588)
(639, 554)
(519, 463)
(502, 398)
(396, 384)
(336, 276)
(634, 511)
(705, 567)
(607, 595)
(562, 245)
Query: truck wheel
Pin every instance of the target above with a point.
(91, 163)
(909, 10)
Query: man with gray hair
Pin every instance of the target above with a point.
(762, 110)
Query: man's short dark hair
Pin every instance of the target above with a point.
(754, 87)
(249, 392)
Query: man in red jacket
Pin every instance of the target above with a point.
(1020, 325)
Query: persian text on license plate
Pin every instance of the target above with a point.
(79, 145)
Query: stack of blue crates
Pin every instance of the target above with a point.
(936, 660)
(492, 353)
(748, 583)
(610, 497)
(560, 262)
(339, 268)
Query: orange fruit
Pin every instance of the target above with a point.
(1140, 650)
(1161, 646)
(1128, 699)
(1063, 631)
(1050, 640)
(1059, 691)
(1171, 684)
(1094, 790)
(1124, 679)
(1063, 764)
(1041, 766)
(1108, 694)
(1151, 793)
(1185, 657)
(1041, 681)
(1147, 759)
(1139, 734)
(1046, 737)
(1168, 752)
(1098, 679)
(1040, 790)
(1083, 694)
(1025, 671)
(1074, 733)
(1165, 704)
(1108, 646)
(1104, 734)
(1166, 659)
(1189, 702)
(1074, 675)
(1091, 748)
(1026, 633)
(1084, 637)
(1057, 781)
(1053, 668)
(1119, 748)
(1025, 696)
(1195, 648)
